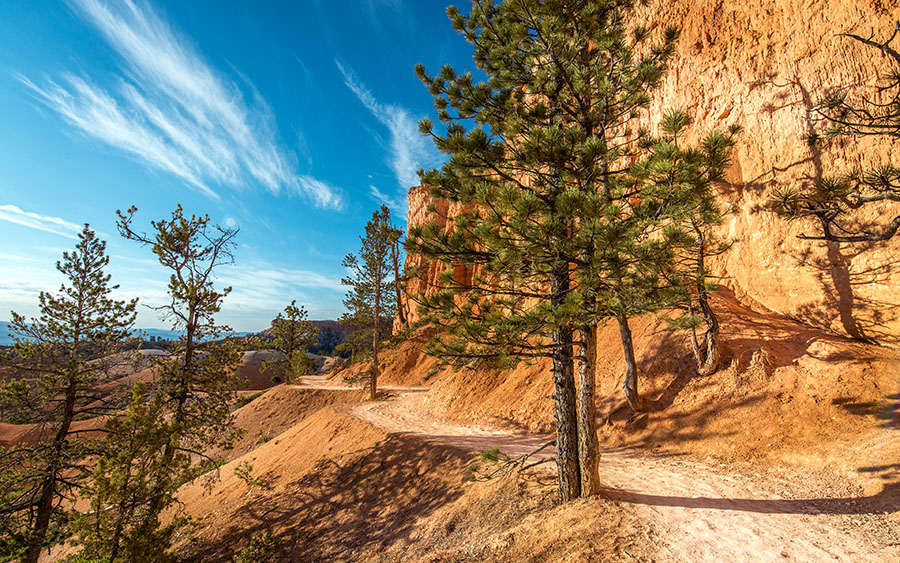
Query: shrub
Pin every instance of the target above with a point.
(245, 400)
(259, 549)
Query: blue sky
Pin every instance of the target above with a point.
(290, 120)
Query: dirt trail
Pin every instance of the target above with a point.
(699, 512)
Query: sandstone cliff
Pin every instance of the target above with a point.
(763, 65)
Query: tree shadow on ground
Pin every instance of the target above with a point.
(683, 407)
(887, 499)
(887, 410)
(780, 338)
(888, 472)
(345, 504)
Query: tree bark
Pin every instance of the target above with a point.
(588, 449)
(401, 311)
(631, 383)
(564, 396)
(373, 374)
(48, 490)
(711, 360)
(42, 521)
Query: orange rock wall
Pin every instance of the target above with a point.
(427, 273)
(763, 65)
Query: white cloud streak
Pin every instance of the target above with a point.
(174, 112)
(275, 281)
(55, 225)
(408, 149)
(392, 202)
(258, 288)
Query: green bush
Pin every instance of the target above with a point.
(259, 549)
(246, 399)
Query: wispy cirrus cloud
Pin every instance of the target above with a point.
(271, 280)
(174, 112)
(55, 225)
(408, 149)
(262, 289)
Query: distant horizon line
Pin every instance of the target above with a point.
(5, 334)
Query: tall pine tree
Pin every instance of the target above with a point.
(686, 175)
(62, 356)
(372, 296)
(195, 382)
(534, 155)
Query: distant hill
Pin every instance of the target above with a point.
(333, 326)
(162, 333)
(342, 329)
(6, 340)
(331, 334)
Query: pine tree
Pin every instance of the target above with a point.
(396, 259)
(833, 200)
(371, 301)
(292, 336)
(64, 354)
(123, 486)
(685, 177)
(358, 318)
(195, 382)
(553, 129)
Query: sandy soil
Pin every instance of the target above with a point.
(701, 512)
(275, 412)
(385, 480)
(786, 393)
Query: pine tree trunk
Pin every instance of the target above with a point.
(588, 450)
(42, 521)
(631, 373)
(373, 375)
(711, 360)
(401, 311)
(695, 344)
(48, 490)
(564, 384)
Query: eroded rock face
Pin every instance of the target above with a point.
(763, 65)
(441, 212)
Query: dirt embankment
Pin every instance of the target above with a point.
(330, 486)
(786, 392)
(388, 481)
(276, 411)
(336, 487)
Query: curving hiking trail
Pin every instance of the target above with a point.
(698, 512)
